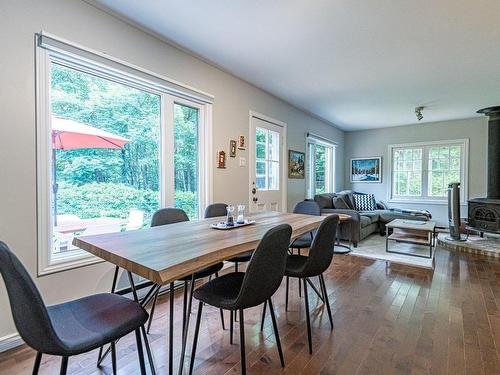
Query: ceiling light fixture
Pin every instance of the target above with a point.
(418, 113)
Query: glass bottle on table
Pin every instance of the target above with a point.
(241, 216)
(230, 216)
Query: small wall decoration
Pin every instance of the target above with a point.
(241, 143)
(221, 159)
(232, 148)
(366, 169)
(296, 164)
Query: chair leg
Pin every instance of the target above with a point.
(113, 357)
(242, 344)
(148, 351)
(38, 360)
(276, 333)
(300, 284)
(263, 317)
(153, 310)
(308, 319)
(327, 301)
(195, 338)
(231, 324)
(235, 266)
(222, 319)
(140, 352)
(64, 366)
(286, 295)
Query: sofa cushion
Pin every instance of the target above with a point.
(347, 195)
(364, 202)
(364, 221)
(324, 200)
(340, 203)
(373, 215)
(387, 216)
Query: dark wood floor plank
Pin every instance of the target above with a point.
(389, 319)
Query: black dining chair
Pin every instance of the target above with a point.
(318, 260)
(304, 241)
(241, 290)
(70, 328)
(219, 209)
(165, 216)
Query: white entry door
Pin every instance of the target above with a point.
(266, 165)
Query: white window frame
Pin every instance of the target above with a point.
(311, 163)
(74, 259)
(425, 198)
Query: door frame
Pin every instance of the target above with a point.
(284, 156)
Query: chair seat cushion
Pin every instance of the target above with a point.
(295, 265)
(90, 322)
(205, 272)
(303, 241)
(245, 257)
(222, 291)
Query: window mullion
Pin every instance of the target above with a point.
(167, 170)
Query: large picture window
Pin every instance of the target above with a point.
(320, 166)
(111, 152)
(422, 171)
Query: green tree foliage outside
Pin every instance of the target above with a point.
(111, 182)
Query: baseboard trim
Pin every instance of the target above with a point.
(10, 341)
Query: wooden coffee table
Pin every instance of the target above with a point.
(411, 231)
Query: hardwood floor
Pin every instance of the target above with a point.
(388, 320)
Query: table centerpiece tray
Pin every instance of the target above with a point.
(224, 226)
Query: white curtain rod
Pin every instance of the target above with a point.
(321, 138)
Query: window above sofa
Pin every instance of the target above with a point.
(421, 172)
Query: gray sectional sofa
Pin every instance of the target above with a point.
(363, 223)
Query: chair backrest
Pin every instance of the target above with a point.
(28, 309)
(307, 208)
(165, 216)
(215, 209)
(321, 250)
(266, 268)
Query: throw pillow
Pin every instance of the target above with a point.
(340, 203)
(347, 200)
(364, 202)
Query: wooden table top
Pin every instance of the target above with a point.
(167, 253)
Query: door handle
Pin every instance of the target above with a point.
(255, 199)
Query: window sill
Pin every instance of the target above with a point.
(422, 201)
(69, 262)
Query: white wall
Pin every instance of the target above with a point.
(375, 143)
(82, 23)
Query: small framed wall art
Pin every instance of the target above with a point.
(242, 143)
(232, 148)
(296, 164)
(366, 169)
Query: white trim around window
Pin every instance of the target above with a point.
(331, 150)
(425, 197)
(44, 56)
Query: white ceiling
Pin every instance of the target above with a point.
(359, 64)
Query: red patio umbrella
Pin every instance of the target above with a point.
(71, 135)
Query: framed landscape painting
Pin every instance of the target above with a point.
(366, 169)
(296, 164)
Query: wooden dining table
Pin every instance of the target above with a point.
(164, 254)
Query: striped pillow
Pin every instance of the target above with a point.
(364, 202)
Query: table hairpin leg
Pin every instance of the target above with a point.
(186, 326)
(345, 248)
(143, 330)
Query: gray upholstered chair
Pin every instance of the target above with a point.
(238, 291)
(70, 328)
(318, 260)
(306, 208)
(219, 209)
